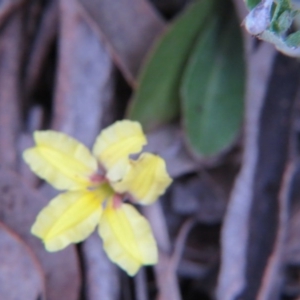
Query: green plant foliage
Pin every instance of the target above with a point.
(293, 40)
(213, 88)
(280, 43)
(284, 21)
(280, 7)
(156, 100)
(282, 16)
(277, 28)
(252, 3)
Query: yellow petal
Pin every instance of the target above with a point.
(114, 145)
(146, 180)
(127, 237)
(61, 160)
(69, 218)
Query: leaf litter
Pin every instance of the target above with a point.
(61, 71)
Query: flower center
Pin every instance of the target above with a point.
(98, 178)
(117, 201)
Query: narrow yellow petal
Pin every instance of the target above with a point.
(146, 180)
(61, 160)
(69, 218)
(114, 145)
(127, 237)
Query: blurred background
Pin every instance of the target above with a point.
(220, 105)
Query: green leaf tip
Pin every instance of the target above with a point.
(156, 99)
(213, 88)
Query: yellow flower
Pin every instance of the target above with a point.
(96, 186)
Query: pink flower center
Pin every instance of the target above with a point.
(98, 178)
(117, 201)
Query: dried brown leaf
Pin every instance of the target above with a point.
(129, 27)
(9, 7)
(101, 274)
(292, 250)
(166, 279)
(203, 198)
(83, 96)
(43, 40)
(257, 216)
(168, 143)
(21, 276)
(19, 206)
(235, 227)
(10, 59)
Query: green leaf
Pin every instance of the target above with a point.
(285, 21)
(252, 3)
(280, 44)
(281, 6)
(213, 88)
(293, 40)
(282, 16)
(156, 100)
